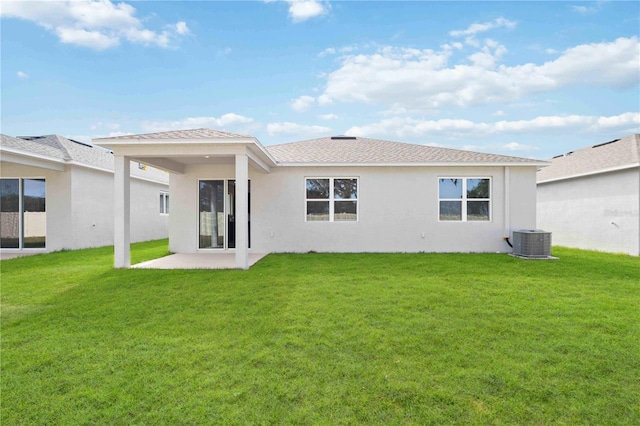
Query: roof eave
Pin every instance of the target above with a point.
(591, 173)
(249, 142)
(447, 164)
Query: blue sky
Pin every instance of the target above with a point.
(531, 79)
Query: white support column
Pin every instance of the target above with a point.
(242, 207)
(122, 213)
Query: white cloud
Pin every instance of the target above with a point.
(510, 147)
(302, 103)
(327, 51)
(92, 39)
(424, 79)
(96, 24)
(344, 49)
(181, 28)
(584, 10)
(110, 126)
(302, 10)
(407, 127)
(330, 116)
(476, 28)
(224, 122)
(296, 131)
(23, 75)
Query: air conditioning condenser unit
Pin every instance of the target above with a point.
(534, 243)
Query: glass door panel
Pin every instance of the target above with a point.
(34, 223)
(9, 213)
(212, 216)
(231, 216)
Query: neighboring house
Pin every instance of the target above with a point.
(57, 193)
(334, 194)
(590, 198)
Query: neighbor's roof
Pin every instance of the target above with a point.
(603, 157)
(61, 149)
(364, 151)
(183, 134)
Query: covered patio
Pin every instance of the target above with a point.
(177, 152)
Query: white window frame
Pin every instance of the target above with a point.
(21, 212)
(464, 199)
(332, 199)
(164, 203)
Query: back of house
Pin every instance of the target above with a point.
(333, 194)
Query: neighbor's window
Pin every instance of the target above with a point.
(332, 199)
(164, 203)
(464, 199)
(23, 217)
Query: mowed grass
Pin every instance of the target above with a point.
(322, 339)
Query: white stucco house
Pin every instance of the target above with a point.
(590, 198)
(57, 193)
(335, 194)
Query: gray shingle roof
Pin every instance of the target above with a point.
(60, 148)
(43, 147)
(352, 150)
(601, 157)
(184, 134)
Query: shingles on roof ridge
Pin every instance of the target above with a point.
(200, 133)
(392, 152)
(96, 156)
(596, 158)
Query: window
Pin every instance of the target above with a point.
(332, 199)
(23, 220)
(164, 203)
(464, 199)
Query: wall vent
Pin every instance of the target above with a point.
(532, 243)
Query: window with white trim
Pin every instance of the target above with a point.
(332, 199)
(164, 203)
(464, 199)
(23, 213)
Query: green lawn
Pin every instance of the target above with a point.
(322, 339)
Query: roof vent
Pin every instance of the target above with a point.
(81, 143)
(31, 138)
(343, 138)
(605, 143)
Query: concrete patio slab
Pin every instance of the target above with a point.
(197, 261)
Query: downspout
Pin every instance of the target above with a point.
(506, 231)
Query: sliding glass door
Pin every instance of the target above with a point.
(23, 217)
(211, 214)
(217, 214)
(10, 213)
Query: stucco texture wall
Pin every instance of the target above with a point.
(597, 212)
(79, 207)
(398, 210)
(57, 201)
(93, 211)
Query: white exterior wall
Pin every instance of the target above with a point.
(79, 207)
(92, 209)
(597, 212)
(397, 206)
(57, 203)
